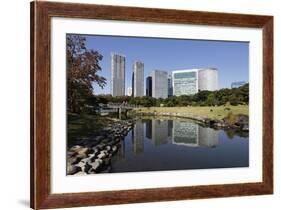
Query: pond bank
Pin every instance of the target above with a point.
(238, 122)
(93, 154)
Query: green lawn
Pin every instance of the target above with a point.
(85, 125)
(218, 112)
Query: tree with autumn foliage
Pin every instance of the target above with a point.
(82, 70)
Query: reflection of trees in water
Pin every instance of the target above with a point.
(232, 133)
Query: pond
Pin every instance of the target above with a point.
(156, 144)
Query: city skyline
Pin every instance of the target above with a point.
(170, 55)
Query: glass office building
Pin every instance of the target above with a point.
(148, 90)
(190, 81)
(185, 82)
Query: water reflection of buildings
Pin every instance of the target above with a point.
(185, 133)
(148, 129)
(120, 152)
(138, 137)
(208, 137)
(191, 134)
(159, 132)
(170, 130)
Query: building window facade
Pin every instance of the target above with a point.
(185, 83)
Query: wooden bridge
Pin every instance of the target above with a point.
(120, 108)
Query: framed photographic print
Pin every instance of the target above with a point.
(141, 105)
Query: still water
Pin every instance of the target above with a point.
(175, 144)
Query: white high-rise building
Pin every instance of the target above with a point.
(191, 81)
(138, 79)
(129, 91)
(117, 74)
(159, 84)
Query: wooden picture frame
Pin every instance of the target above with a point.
(41, 14)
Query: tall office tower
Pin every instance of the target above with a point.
(208, 79)
(170, 85)
(117, 74)
(129, 91)
(159, 84)
(148, 90)
(138, 68)
(190, 81)
(133, 76)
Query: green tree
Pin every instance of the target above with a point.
(220, 97)
(211, 100)
(82, 67)
(233, 100)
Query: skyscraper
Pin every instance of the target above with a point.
(170, 85)
(159, 84)
(208, 79)
(148, 90)
(138, 68)
(133, 84)
(190, 81)
(117, 74)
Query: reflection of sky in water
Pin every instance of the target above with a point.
(175, 144)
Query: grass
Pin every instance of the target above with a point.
(214, 112)
(85, 125)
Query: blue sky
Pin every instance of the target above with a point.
(230, 58)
